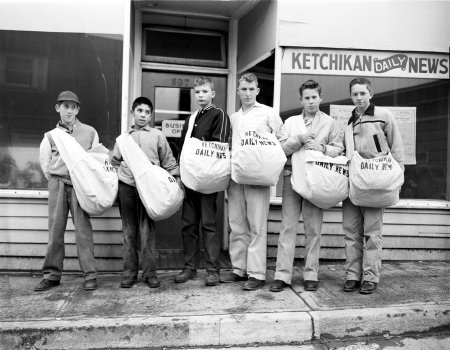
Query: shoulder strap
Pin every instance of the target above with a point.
(349, 143)
(69, 149)
(191, 125)
(133, 155)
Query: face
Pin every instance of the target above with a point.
(204, 95)
(310, 100)
(361, 96)
(141, 115)
(247, 93)
(68, 111)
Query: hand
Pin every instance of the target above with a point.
(303, 138)
(314, 146)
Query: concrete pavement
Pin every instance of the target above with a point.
(412, 297)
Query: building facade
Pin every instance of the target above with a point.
(110, 52)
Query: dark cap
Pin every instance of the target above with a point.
(68, 96)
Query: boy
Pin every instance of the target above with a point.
(375, 134)
(211, 124)
(62, 198)
(249, 204)
(323, 136)
(135, 220)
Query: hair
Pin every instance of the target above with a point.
(310, 84)
(249, 78)
(203, 81)
(361, 81)
(142, 101)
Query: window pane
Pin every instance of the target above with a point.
(428, 179)
(34, 68)
(173, 103)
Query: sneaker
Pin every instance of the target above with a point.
(212, 279)
(311, 285)
(90, 284)
(128, 281)
(153, 282)
(185, 276)
(231, 277)
(253, 284)
(277, 286)
(351, 285)
(368, 287)
(46, 284)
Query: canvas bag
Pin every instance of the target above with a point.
(257, 159)
(158, 190)
(93, 177)
(374, 182)
(320, 179)
(205, 166)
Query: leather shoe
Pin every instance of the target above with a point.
(152, 282)
(128, 282)
(185, 276)
(277, 286)
(311, 285)
(232, 277)
(351, 285)
(368, 287)
(212, 279)
(253, 284)
(46, 284)
(90, 284)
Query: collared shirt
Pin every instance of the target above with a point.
(49, 157)
(259, 116)
(156, 148)
(211, 124)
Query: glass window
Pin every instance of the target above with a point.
(428, 178)
(173, 103)
(34, 68)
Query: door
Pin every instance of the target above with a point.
(172, 95)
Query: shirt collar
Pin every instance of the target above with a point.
(369, 111)
(207, 108)
(131, 129)
(257, 104)
(63, 126)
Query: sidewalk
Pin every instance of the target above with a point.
(412, 297)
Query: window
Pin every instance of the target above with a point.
(427, 177)
(34, 68)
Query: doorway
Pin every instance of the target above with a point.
(172, 95)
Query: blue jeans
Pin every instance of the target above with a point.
(61, 199)
(136, 224)
(199, 207)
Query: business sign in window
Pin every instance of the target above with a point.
(365, 63)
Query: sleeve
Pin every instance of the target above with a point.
(116, 156)
(220, 130)
(45, 155)
(290, 144)
(166, 157)
(334, 147)
(394, 139)
(275, 123)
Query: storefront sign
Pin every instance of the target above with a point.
(365, 63)
(404, 116)
(172, 128)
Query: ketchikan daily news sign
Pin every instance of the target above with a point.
(365, 63)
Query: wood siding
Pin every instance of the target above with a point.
(409, 234)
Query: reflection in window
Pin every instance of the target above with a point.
(173, 103)
(428, 179)
(34, 68)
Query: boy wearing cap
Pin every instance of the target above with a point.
(62, 198)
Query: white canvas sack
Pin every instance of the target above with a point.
(205, 166)
(257, 158)
(374, 182)
(320, 179)
(158, 190)
(93, 177)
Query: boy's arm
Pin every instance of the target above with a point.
(334, 146)
(116, 156)
(166, 157)
(220, 127)
(45, 155)
(290, 144)
(394, 139)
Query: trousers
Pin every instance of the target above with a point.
(363, 241)
(61, 200)
(248, 207)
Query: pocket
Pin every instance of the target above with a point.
(380, 142)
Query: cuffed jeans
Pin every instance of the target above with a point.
(293, 205)
(363, 241)
(136, 223)
(61, 200)
(199, 207)
(248, 208)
